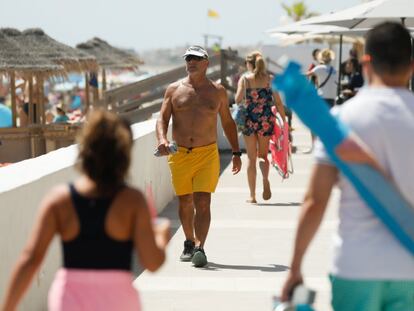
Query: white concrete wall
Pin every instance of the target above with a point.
(222, 142)
(23, 184)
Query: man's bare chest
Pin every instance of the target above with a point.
(196, 101)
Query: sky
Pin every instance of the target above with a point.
(150, 24)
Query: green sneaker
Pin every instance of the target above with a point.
(188, 251)
(199, 258)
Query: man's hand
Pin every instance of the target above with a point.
(293, 279)
(163, 147)
(236, 164)
(353, 150)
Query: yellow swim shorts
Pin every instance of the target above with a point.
(195, 170)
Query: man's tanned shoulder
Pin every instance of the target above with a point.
(221, 90)
(172, 88)
(218, 86)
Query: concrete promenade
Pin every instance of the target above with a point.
(248, 247)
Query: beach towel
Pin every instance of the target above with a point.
(279, 146)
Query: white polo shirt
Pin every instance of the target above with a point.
(364, 248)
(329, 90)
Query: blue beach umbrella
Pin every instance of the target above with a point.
(5, 116)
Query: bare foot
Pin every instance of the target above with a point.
(252, 201)
(267, 194)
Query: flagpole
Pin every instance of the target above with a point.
(210, 14)
(207, 31)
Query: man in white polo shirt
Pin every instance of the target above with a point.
(371, 270)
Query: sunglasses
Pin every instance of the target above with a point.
(189, 58)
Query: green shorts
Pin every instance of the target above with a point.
(368, 295)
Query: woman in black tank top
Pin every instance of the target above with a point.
(100, 221)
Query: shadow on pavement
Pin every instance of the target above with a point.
(280, 204)
(212, 266)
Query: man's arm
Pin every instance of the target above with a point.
(164, 120)
(229, 128)
(322, 180)
(241, 90)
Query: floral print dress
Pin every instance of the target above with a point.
(260, 119)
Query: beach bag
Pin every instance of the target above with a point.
(239, 113)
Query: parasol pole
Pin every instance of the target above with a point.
(338, 90)
(411, 82)
(13, 97)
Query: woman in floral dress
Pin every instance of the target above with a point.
(255, 93)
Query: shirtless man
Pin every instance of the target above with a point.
(194, 104)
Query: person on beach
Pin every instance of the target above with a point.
(194, 103)
(61, 116)
(255, 93)
(325, 75)
(100, 221)
(371, 270)
(315, 62)
(352, 81)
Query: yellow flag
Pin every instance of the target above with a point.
(212, 14)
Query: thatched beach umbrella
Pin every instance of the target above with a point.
(124, 56)
(46, 47)
(70, 58)
(108, 58)
(16, 59)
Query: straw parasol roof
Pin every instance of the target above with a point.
(108, 56)
(16, 58)
(44, 46)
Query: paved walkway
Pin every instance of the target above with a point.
(248, 247)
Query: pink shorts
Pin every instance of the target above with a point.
(83, 290)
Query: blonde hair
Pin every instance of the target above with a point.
(326, 56)
(255, 58)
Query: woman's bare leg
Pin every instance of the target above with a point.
(251, 148)
(264, 165)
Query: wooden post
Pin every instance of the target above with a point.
(31, 106)
(95, 90)
(13, 97)
(38, 101)
(87, 102)
(41, 101)
(103, 80)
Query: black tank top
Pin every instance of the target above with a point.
(93, 248)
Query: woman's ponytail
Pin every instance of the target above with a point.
(259, 67)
